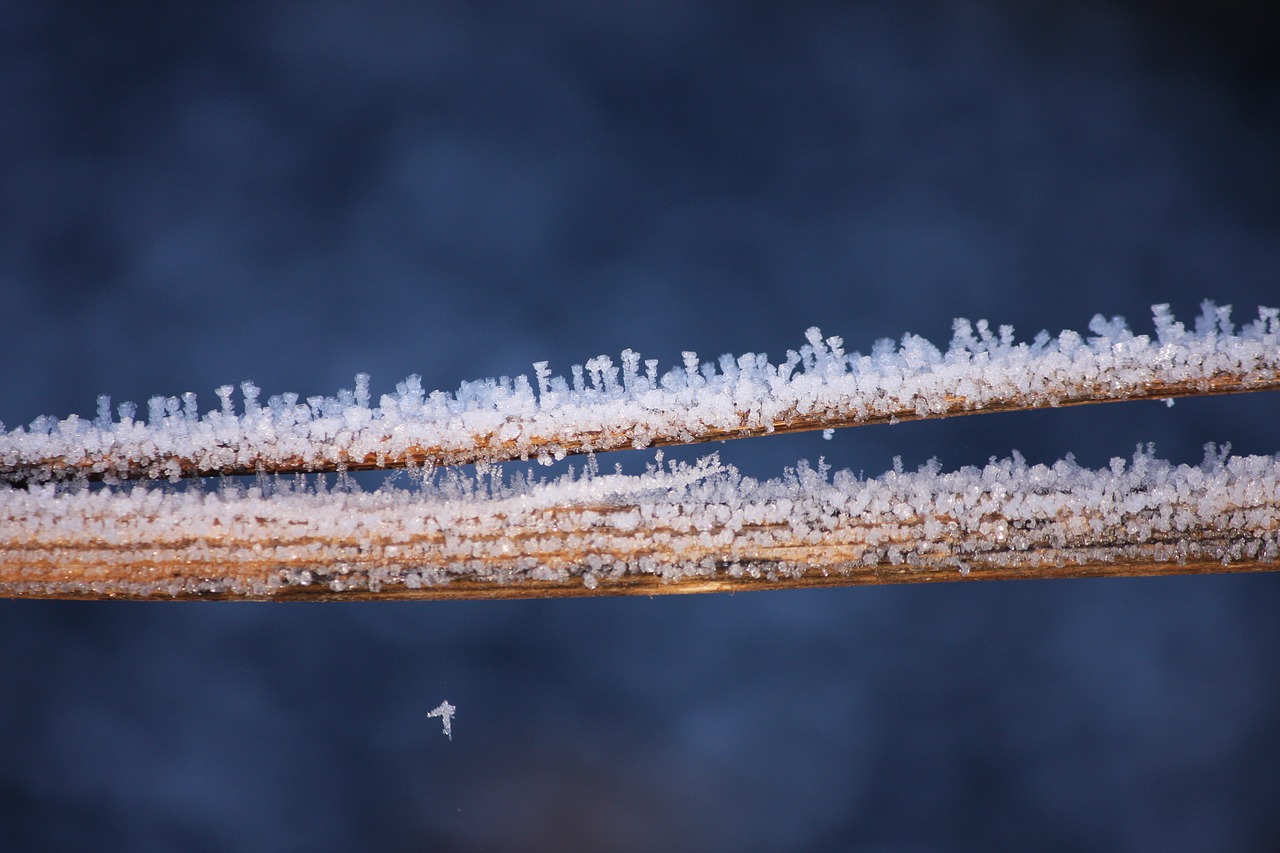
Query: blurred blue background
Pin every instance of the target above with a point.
(296, 192)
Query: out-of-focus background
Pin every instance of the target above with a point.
(192, 195)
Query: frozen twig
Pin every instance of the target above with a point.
(683, 528)
(608, 407)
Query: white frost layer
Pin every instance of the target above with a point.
(605, 405)
(681, 523)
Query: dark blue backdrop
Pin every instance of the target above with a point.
(295, 192)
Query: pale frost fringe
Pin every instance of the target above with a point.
(606, 406)
(678, 523)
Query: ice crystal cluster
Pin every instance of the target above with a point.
(703, 525)
(605, 405)
(445, 712)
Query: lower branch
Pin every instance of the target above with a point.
(699, 528)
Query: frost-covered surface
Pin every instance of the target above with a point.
(679, 523)
(606, 405)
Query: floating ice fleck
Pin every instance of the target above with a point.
(445, 712)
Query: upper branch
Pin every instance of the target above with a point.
(604, 406)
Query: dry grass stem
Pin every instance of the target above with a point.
(715, 534)
(488, 446)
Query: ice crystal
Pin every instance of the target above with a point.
(445, 712)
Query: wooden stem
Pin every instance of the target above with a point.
(529, 545)
(490, 447)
